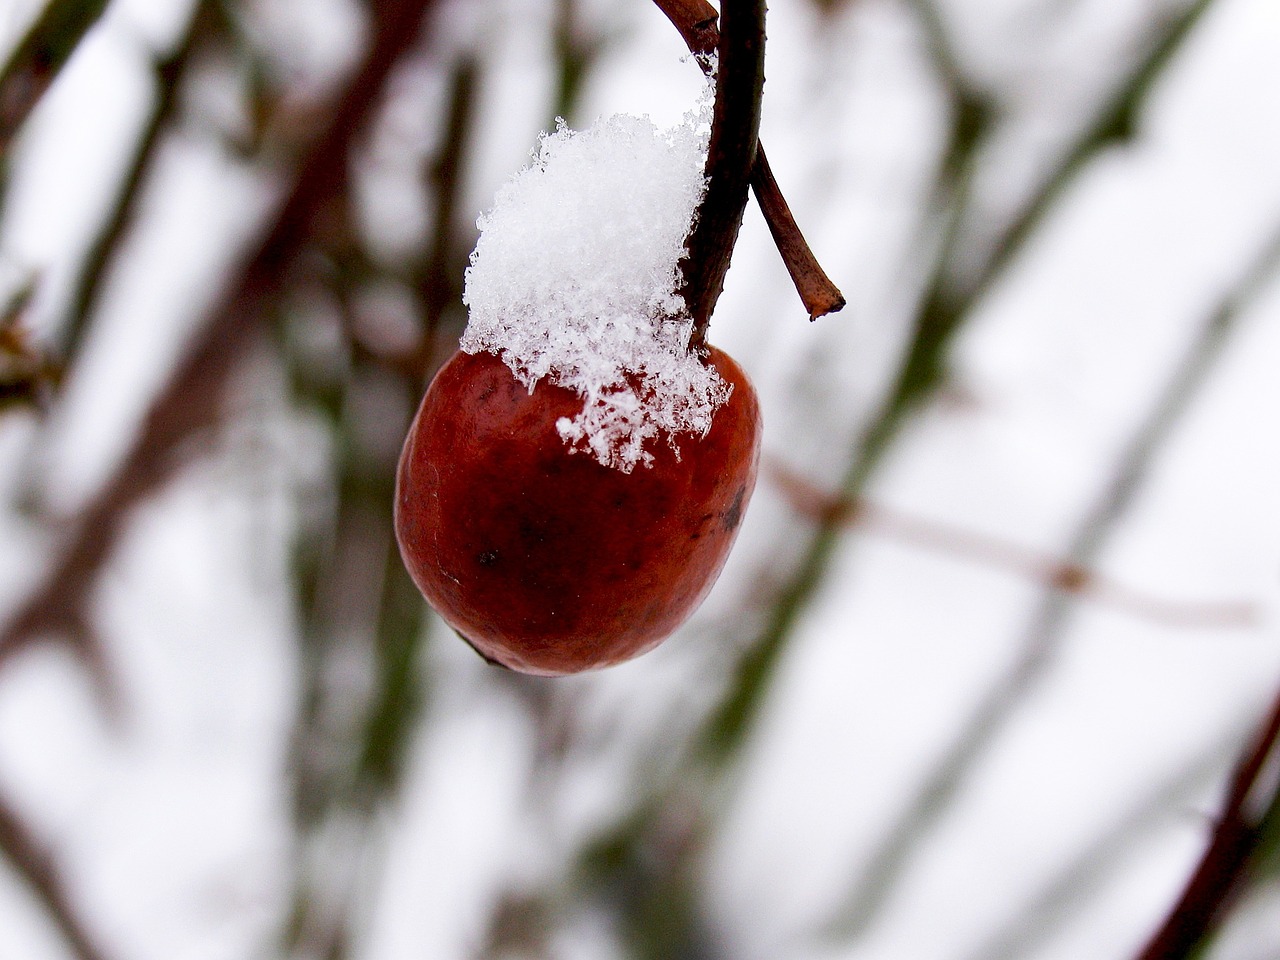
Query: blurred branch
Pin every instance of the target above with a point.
(39, 57)
(646, 872)
(696, 22)
(575, 52)
(191, 398)
(730, 155)
(1115, 122)
(1252, 809)
(950, 295)
(942, 309)
(437, 279)
(1048, 626)
(1096, 862)
(35, 866)
(941, 50)
(169, 71)
(349, 747)
(1049, 571)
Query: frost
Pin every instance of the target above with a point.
(573, 279)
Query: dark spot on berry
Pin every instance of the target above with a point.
(488, 558)
(733, 516)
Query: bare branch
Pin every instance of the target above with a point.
(192, 397)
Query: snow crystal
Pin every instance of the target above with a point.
(574, 279)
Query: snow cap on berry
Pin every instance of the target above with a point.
(574, 279)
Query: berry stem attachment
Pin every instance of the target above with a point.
(696, 22)
(730, 156)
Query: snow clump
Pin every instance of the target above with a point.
(574, 275)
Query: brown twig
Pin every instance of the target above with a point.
(1253, 798)
(941, 310)
(818, 294)
(696, 21)
(730, 154)
(1048, 570)
(192, 397)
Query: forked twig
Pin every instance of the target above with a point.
(696, 20)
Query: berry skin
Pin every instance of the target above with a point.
(543, 559)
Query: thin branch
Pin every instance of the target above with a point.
(1252, 800)
(941, 310)
(730, 155)
(169, 71)
(1049, 624)
(696, 22)
(1051, 572)
(1113, 123)
(438, 277)
(1092, 866)
(818, 294)
(34, 864)
(192, 397)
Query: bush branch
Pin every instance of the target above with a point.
(193, 396)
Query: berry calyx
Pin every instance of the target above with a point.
(541, 557)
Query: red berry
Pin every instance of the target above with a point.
(542, 558)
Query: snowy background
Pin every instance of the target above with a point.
(946, 757)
